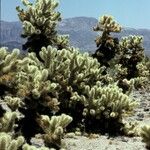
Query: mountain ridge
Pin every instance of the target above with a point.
(80, 30)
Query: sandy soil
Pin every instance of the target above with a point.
(103, 143)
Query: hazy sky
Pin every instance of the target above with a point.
(129, 13)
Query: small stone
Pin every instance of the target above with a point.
(139, 119)
(140, 115)
(124, 140)
(94, 136)
(70, 135)
(146, 109)
(110, 142)
(77, 133)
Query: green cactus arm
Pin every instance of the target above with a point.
(39, 21)
(53, 128)
(145, 134)
(8, 60)
(8, 143)
(106, 23)
(7, 121)
(13, 102)
(31, 147)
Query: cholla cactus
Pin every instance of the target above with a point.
(107, 45)
(147, 64)
(144, 68)
(13, 102)
(144, 73)
(58, 82)
(108, 101)
(31, 147)
(106, 106)
(7, 122)
(63, 77)
(52, 82)
(124, 59)
(107, 24)
(132, 53)
(7, 142)
(60, 69)
(8, 67)
(39, 25)
(54, 129)
(131, 129)
(131, 59)
(145, 134)
(8, 60)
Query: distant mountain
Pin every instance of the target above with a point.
(11, 45)
(80, 30)
(10, 31)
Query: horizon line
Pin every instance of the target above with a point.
(137, 28)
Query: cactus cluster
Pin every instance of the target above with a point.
(132, 53)
(8, 67)
(39, 25)
(123, 59)
(70, 81)
(145, 134)
(144, 72)
(55, 88)
(107, 24)
(67, 82)
(53, 129)
(20, 100)
(131, 61)
(107, 45)
(7, 122)
(7, 142)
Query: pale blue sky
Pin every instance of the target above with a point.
(129, 13)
